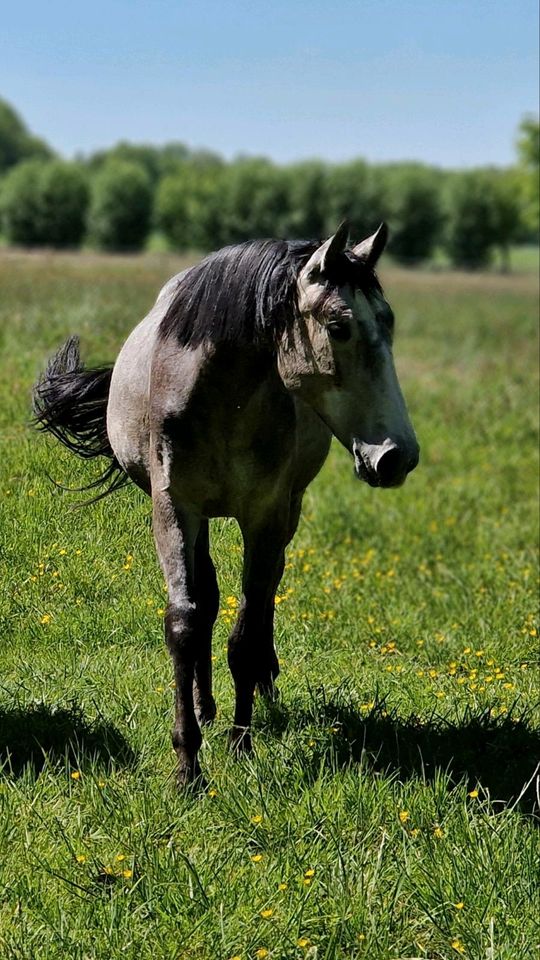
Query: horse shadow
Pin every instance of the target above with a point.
(500, 756)
(31, 736)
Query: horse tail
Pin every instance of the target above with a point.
(71, 403)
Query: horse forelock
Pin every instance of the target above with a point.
(246, 293)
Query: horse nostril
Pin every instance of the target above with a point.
(390, 466)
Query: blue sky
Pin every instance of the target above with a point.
(445, 81)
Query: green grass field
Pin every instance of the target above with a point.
(387, 812)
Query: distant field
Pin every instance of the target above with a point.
(388, 810)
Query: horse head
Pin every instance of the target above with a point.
(338, 357)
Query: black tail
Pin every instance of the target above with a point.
(71, 403)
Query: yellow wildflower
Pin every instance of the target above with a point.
(76, 775)
(81, 858)
(127, 874)
(404, 815)
(473, 793)
(257, 857)
(267, 913)
(261, 953)
(309, 873)
(282, 885)
(302, 942)
(457, 945)
(438, 833)
(256, 819)
(460, 905)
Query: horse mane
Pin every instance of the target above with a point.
(246, 293)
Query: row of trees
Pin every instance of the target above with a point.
(115, 198)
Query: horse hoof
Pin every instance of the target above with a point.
(240, 740)
(189, 777)
(268, 690)
(206, 712)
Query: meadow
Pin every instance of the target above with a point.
(388, 812)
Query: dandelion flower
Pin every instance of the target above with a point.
(438, 833)
(81, 858)
(76, 775)
(473, 794)
(267, 913)
(457, 945)
(257, 857)
(302, 942)
(127, 874)
(282, 886)
(120, 856)
(256, 819)
(212, 793)
(46, 618)
(404, 815)
(460, 905)
(261, 953)
(309, 873)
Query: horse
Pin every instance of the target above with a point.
(222, 403)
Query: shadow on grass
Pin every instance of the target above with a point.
(30, 736)
(498, 754)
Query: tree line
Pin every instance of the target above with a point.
(115, 199)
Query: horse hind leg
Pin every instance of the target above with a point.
(175, 534)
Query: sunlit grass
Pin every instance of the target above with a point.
(386, 812)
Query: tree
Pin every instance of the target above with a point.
(354, 192)
(120, 207)
(470, 233)
(189, 208)
(506, 213)
(415, 214)
(16, 143)
(44, 204)
(254, 200)
(306, 200)
(63, 197)
(20, 204)
(528, 146)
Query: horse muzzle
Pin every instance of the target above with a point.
(384, 464)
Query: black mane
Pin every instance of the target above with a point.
(246, 293)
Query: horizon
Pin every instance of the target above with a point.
(445, 86)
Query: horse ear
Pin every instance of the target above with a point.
(370, 249)
(330, 250)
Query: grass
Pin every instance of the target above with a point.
(388, 809)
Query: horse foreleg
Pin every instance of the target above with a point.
(207, 596)
(252, 657)
(175, 534)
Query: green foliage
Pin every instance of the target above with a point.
(20, 204)
(355, 192)
(254, 200)
(189, 208)
(306, 203)
(413, 195)
(387, 775)
(16, 143)
(471, 222)
(528, 146)
(121, 206)
(44, 203)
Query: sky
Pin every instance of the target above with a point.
(441, 81)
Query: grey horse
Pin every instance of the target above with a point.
(222, 403)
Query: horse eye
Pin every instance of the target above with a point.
(339, 330)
